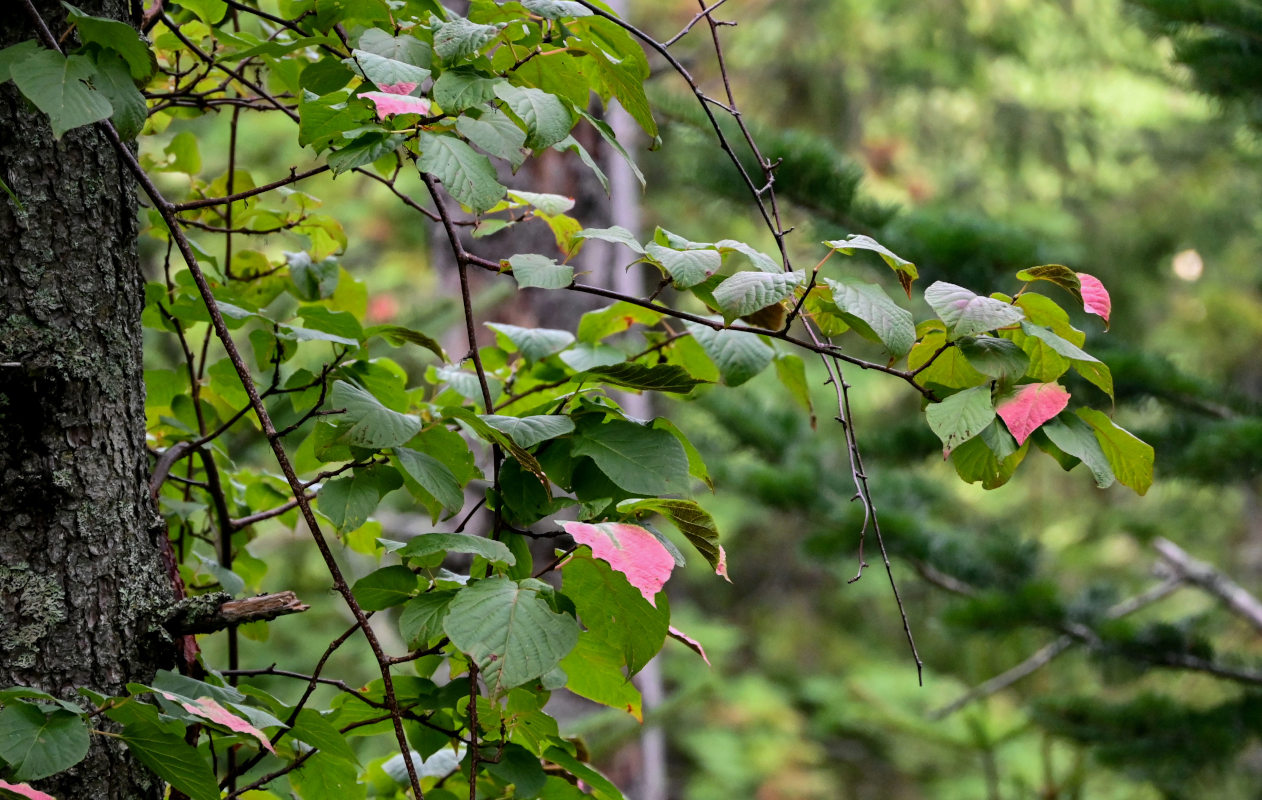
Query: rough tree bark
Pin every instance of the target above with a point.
(81, 579)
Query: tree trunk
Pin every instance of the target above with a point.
(81, 578)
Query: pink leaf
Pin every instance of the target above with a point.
(1030, 406)
(691, 643)
(1095, 298)
(402, 87)
(206, 708)
(389, 104)
(721, 569)
(26, 790)
(630, 549)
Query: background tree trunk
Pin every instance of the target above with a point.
(81, 579)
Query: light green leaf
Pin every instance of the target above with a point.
(640, 460)
(746, 292)
(431, 475)
(535, 344)
(761, 261)
(61, 88)
(466, 173)
(1130, 458)
(530, 431)
(688, 267)
(976, 461)
(598, 785)
(209, 11)
(509, 631)
(738, 355)
(556, 9)
(546, 118)
(385, 587)
(374, 425)
(313, 728)
(968, 314)
(603, 322)
(531, 270)
(616, 234)
(570, 143)
(427, 544)
(870, 311)
(905, 269)
(37, 744)
(791, 371)
(585, 356)
(960, 417)
(323, 777)
(1059, 345)
(15, 54)
(398, 335)
(161, 747)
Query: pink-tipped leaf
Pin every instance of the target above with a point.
(25, 790)
(1030, 406)
(629, 549)
(207, 708)
(389, 104)
(689, 642)
(1095, 298)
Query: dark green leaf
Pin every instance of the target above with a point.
(466, 173)
(427, 544)
(61, 88)
(118, 37)
(738, 355)
(373, 425)
(433, 476)
(614, 611)
(1074, 436)
(509, 631)
(998, 358)
(530, 431)
(386, 587)
(421, 620)
(640, 460)
(546, 118)
(458, 89)
(655, 378)
(496, 134)
(38, 744)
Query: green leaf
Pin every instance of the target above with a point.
(431, 475)
(655, 378)
(997, 358)
(427, 544)
(598, 785)
(905, 269)
(976, 461)
(490, 434)
(640, 460)
(693, 521)
(458, 89)
(1059, 345)
(118, 37)
(1075, 436)
(594, 670)
(405, 48)
(516, 765)
(323, 777)
(509, 631)
(322, 121)
(584, 356)
(374, 425)
(556, 9)
(316, 730)
(421, 620)
(385, 71)
(760, 260)
(1062, 276)
(738, 355)
(791, 371)
(746, 292)
(570, 143)
(397, 335)
(385, 587)
(604, 322)
(1130, 458)
(495, 133)
(870, 311)
(535, 344)
(115, 82)
(960, 417)
(160, 746)
(467, 174)
(461, 38)
(530, 431)
(349, 501)
(37, 744)
(15, 54)
(541, 272)
(545, 117)
(614, 611)
(61, 87)
(688, 267)
(209, 11)
(616, 234)
(363, 150)
(624, 78)
(968, 314)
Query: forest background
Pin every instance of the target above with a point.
(974, 138)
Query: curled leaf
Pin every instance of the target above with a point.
(1030, 406)
(388, 103)
(629, 549)
(1095, 298)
